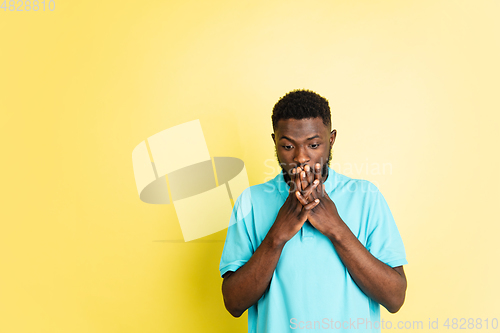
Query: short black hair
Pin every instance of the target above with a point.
(301, 104)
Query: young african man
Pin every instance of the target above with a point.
(311, 249)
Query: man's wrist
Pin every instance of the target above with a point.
(273, 242)
(338, 231)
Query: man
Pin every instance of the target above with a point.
(311, 249)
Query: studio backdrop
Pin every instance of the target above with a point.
(103, 104)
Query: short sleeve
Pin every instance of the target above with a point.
(384, 241)
(238, 247)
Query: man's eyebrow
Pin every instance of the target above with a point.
(313, 137)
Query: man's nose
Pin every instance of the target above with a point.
(301, 156)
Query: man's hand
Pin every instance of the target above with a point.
(324, 216)
(293, 213)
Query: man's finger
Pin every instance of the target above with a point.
(309, 174)
(303, 180)
(291, 173)
(321, 190)
(307, 208)
(298, 186)
(309, 190)
(317, 171)
(311, 205)
(301, 198)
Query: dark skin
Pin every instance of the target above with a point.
(303, 147)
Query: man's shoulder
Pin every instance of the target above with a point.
(259, 192)
(262, 198)
(342, 183)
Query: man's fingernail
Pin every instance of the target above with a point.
(316, 182)
(317, 200)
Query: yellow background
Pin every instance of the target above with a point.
(411, 83)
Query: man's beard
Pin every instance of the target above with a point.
(324, 170)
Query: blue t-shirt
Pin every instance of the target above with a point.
(311, 289)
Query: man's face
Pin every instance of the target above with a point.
(303, 142)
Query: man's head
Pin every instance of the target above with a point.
(302, 131)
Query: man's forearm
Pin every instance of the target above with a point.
(245, 287)
(376, 279)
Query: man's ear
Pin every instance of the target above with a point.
(274, 138)
(333, 135)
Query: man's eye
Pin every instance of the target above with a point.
(288, 147)
(314, 146)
